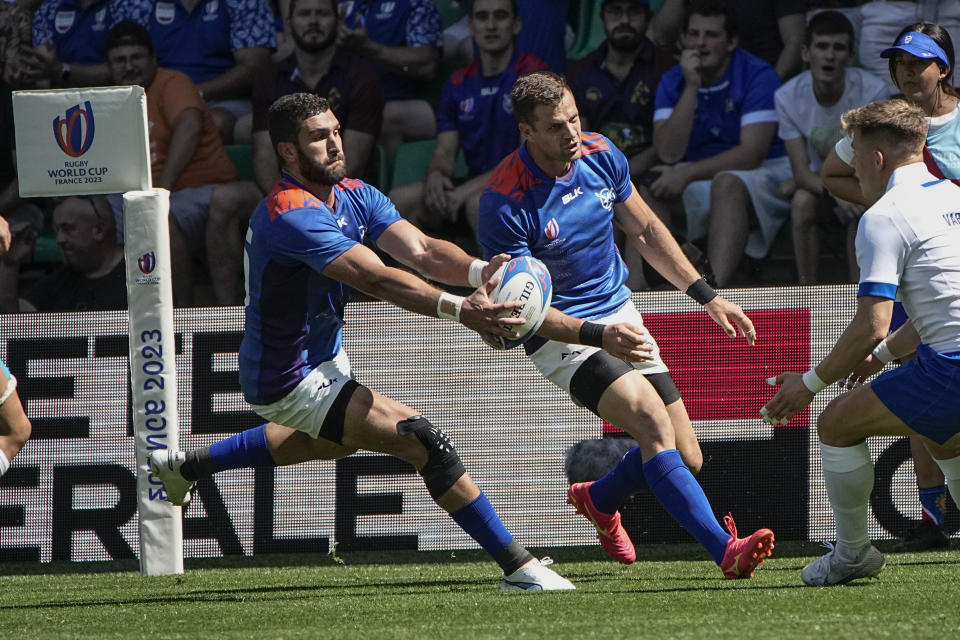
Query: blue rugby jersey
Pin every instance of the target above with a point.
(744, 96)
(565, 222)
(396, 23)
(294, 314)
(201, 42)
(479, 110)
(76, 33)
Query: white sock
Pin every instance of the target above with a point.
(848, 476)
(951, 471)
(4, 463)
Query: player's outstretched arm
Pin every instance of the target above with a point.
(5, 236)
(863, 334)
(436, 259)
(656, 244)
(731, 318)
(359, 267)
(898, 345)
(621, 340)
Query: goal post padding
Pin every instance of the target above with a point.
(95, 141)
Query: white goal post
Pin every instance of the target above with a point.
(95, 141)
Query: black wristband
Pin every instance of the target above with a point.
(701, 292)
(591, 334)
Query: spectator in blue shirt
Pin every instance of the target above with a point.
(403, 39)
(68, 40)
(475, 115)
(714, 112)
(223, 46)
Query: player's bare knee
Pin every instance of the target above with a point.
(443, 466)
(693, 459)
(16, 429)
(831, 424)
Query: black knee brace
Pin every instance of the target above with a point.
(443, 467)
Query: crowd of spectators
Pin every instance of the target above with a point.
(727, 109)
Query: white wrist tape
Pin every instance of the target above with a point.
(475, 274)
(882, 352)
(447, 300)
(812, 381)
(11, 387)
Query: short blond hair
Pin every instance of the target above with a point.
(536, 89)
(895, 122)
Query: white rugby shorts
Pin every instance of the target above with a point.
(305, 408)
(558, 361)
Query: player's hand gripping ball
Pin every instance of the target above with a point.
(525, 279)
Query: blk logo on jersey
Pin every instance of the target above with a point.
(567, 197)
(552, 230)
(605, 196)
(73, 131)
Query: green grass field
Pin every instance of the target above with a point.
(424, 596)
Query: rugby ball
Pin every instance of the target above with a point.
(525, 279)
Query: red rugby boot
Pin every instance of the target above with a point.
(744, 555)
(613, 537)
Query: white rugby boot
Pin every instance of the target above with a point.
(831, 569)
(535, 576)
(166, 464)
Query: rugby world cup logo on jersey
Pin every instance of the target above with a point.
(605, 196)
(73, 131)
(552, 230)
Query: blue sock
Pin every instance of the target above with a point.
(482, 523)
(245, 449)
(612, 490)
(933, 500)
(683, 498)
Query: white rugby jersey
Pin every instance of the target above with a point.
(908, 243)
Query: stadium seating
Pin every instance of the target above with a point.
(450, 11)
(241, 155)
(45, 250)
(588, 29)
(378, 169)
(410, 163)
